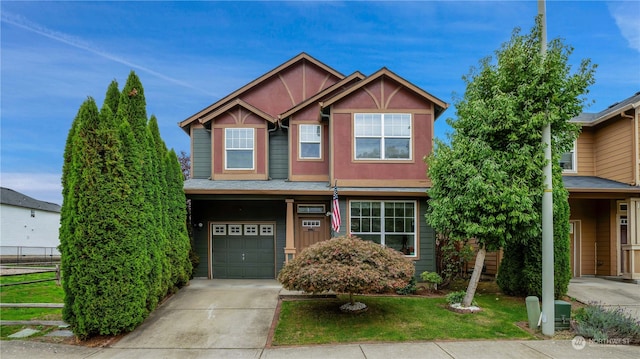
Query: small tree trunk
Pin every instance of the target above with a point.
(475, 277)
(351, 299)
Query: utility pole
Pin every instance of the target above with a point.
(548, 305)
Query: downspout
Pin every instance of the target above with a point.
(636, 147)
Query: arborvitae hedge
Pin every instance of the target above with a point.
(116, 216)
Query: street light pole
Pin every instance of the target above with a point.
(548, 305)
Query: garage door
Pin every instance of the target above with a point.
(243, 251)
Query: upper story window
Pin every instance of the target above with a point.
(568, 160)
(382, 136)
(239, 148)
(310, 141)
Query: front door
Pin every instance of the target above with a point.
(309, 231)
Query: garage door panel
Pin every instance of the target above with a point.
(243, 256)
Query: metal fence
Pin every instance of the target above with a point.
(25, 255)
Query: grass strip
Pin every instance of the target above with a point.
(397, 318)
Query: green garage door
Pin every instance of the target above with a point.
(243, 251)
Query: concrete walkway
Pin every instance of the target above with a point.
(608, 293)
(231, 319)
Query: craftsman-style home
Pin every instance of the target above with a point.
(265, 161)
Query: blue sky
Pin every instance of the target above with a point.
(190, 54)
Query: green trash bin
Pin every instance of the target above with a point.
(562, 315)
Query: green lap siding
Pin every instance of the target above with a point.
(201, 156)
(427, 261)
(278, 155)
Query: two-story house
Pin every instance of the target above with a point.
(28, 227)
(265, 160)
(602, 174)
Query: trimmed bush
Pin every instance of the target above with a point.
(432, 279)
(347, 265)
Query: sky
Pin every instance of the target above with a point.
(188, 55)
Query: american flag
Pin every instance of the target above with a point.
(335, 213)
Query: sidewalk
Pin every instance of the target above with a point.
(457, 350)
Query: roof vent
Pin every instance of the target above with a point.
(613, 105)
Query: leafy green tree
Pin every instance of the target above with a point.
(347, 265)
(500, 117)
(472, 196)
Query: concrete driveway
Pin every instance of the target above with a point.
(609, 293)
(210, 314)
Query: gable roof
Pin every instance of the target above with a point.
(384, 72)
(354, 77)
(300, 57)
(237, 102)
(13, 198)
(592, 119)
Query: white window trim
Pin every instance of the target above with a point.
(574, 159)
(266, 229)
(253, 149)
(383, 233)
(382, 138)
(235, 229)
(300, 142)
(219, 229)
(250, 229)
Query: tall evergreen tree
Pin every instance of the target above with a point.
(103, 281)
(132, 109)
(68, 212)
(112, 98)
(178, 237)
(116, 215)
(160, 201)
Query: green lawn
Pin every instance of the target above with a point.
(41, 292)
(398, 318)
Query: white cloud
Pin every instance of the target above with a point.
(627, 17)
(41, 186)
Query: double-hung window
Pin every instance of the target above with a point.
(390, 223)
(310, 139)
(568, 160)
(239, 148)
(382, 136)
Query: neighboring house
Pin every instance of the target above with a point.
(265, 159)
(602, 174)
(28, 225)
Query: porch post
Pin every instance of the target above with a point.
(632, 249)
(290, 247)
